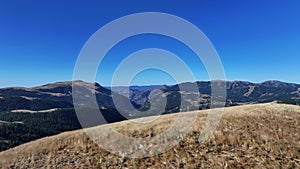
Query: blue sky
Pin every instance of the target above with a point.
(256, 40)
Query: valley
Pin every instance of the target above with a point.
(28, 114)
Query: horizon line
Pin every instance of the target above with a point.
(139, 85)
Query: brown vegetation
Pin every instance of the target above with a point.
(249, 136)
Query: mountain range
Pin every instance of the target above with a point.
(59, 95)
(27, 114)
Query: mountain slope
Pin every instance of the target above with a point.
(238, 92)
(16, 103)
(60, 92)
(249, 136)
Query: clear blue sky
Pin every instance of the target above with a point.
(256, 40)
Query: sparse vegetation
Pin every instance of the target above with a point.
(250, 136)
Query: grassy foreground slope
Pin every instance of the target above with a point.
(249, 136)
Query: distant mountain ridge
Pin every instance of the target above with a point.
(60, 92)
(134, 87)
(59, 95)
(53, 108)
(238, 92)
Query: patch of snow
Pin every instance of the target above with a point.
(4, 122)
(33, 111)
(27, 98)
(18, 122)
(251, 89)
(23, 111)
(55, 94)
(49, 110)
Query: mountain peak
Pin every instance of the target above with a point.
(275, 83)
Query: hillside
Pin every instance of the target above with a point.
(237, 93)
(53, 95)
(249, 136)
(60, 95)
(19, 127)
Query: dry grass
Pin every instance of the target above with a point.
(250, 136)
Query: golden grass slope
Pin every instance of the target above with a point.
(249, 136)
